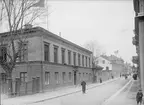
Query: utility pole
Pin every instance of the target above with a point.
(139, 30)
(141, 40)
(0, 89)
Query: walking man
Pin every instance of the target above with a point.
(139, 97)
(83, 84)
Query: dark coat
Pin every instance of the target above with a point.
(83, 83)
(139, 96)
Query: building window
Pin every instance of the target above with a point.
(3, 77)
(64, 77)
(80, 76)
(103, 61)
(107, 68)
(74, 58)
(83, 74)
(23, 76)
(83, 60)
(23, 54)
(79, 59)
(69, 57)
(89, 62)
(89, 76)
(86, 60)
(3, 53)
(70, 76)
(46, 52)
(57, 77)
(55, 54)
(47, 78)
(63, 55)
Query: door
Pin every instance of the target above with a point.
(75, 78)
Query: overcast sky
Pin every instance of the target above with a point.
(110, 23)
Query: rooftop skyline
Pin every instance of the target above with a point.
(109, 23)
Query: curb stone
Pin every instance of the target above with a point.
(65, 94)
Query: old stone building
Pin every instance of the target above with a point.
(52, 60)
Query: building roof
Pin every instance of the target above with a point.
(113, 57)
(105, 57)
(40, 29)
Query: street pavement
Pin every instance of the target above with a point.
(95, 95)
(127, 96)
(49, 95)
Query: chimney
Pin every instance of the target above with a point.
(60, 34)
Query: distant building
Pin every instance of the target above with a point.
(57, 62)
(105, 68)
(117, 65)
(104, 62)
(111, 63)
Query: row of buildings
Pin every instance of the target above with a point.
(138, 39)
(114, 65)
(49, 61)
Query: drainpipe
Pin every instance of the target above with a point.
(141, 45)
(42, 64)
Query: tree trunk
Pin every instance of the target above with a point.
(9, 81)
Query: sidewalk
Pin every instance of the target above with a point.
(25, 100)
(131, 97)
(128, 95)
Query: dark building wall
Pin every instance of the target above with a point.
(38, 69)
(117, 69)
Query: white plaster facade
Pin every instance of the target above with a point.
(103, 62)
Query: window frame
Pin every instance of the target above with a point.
(86, 61)
(47, 78)
(70, 76)
(80, 77)
(55, 55)
(89, 62)
(64, 77)
(63, 55)
(79, 60)
(3, 77)
(74, 58)
(69, 57)
(24, 77)
(47, 56)
(107, 68)
(23, 54)
(57, 77)
(3, 54)
(83, 60)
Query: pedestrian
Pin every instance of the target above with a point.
(100, 80)
(83, 84)
(139, 96)
(135, 76)
(125, 76)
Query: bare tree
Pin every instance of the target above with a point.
(16, 14)
(95, 47)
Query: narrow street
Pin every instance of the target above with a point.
(127, 96)
(51, 51)
(94, 96)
